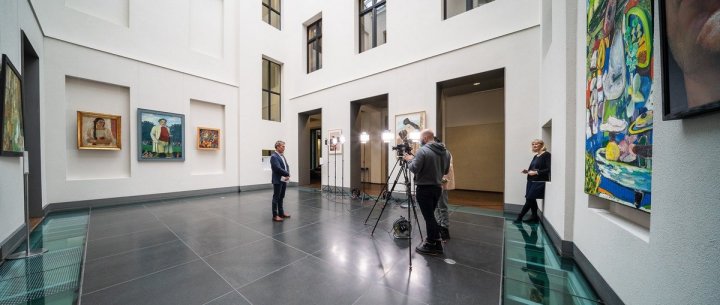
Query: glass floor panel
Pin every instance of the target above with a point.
(533, 272)
(52, 278)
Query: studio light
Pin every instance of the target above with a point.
(364, 137)
(387, 136)
(342, 139)
(414, 136)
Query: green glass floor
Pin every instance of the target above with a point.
(52, 278)
(533, 272)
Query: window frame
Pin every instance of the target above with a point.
(310, 41)
(468, 6)
(372, 10)
(270, 8)
(266, 81)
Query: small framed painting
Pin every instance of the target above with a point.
(98, 131)
(208, 138)
(334, 141)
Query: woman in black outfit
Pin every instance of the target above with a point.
(537, 174)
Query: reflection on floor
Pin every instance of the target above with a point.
(54, 277)
(478, 199)
(535, 274)
(226, 250)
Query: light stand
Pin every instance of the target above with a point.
(341, 141)
(327, 166)
(28, 253)
(364, 138)
(333, 141)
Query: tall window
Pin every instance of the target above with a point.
(271, 12)
(373, 31)
(454, 7)
(314, 46)
(270, 90)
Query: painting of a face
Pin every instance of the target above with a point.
(98, 131)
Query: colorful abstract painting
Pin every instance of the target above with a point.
(208, 138)
(619, 101)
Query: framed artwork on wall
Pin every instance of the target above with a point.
(11, 107)
(98, 131)
(208, 138)
(335, 148)
(161, 136)
(691, 58)
(618, 102)
(407, 123)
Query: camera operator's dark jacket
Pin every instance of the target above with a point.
(431, 162)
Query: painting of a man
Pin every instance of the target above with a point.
(161, 135)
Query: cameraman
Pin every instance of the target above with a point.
(430, 164)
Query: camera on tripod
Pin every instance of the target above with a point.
(403, 148)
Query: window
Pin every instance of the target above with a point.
(314, 46)
(271, 12)
(270, 91)
(373, 31)
(454, 7)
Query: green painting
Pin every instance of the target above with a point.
(13, 140)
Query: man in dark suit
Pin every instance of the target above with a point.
(280, 178)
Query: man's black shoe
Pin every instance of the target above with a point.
(430, 249)
(444, 233)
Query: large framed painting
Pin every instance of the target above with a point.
(691, 57)
(98, 131)
(334, 136)
(619, 105)
(406, 124)
(161, 136)
(208, 138)
(11, 107)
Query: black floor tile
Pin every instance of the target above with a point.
(213, 235)
(232, 298)
(308, 281)
(108, 271)
(379, 294)
(483, 256)
(247, 263)
(317, 236)
(114, 245)
(461, 230)
(98, 230)
(193, 283)
(434, 281)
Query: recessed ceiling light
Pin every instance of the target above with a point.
(475, 84)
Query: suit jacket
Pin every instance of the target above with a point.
(278, 168)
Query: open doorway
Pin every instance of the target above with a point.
(472, 124)
(368, 162)
(310, 146)
(31, 109)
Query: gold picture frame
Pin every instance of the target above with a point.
(208, 138)
(99, 131)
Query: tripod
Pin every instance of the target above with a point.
(411, 202)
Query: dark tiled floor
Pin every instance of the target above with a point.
(225, 250)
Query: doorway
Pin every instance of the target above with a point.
(310, 151)
(471, 122)
(31, 110)
(368, 161)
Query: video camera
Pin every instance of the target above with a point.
(404, 147)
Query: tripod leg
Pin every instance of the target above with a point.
(386, 201)
(387, 181)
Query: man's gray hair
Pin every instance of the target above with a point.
(278, 143)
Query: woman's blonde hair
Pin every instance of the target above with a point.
(541, 142)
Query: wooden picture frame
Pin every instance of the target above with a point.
(409, 122)
(99, 131)
(335, 149)
(208, 138)
(12, 128)
(152, 131)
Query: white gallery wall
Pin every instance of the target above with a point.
(120, 55)
(15, 16)
(674, 261)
